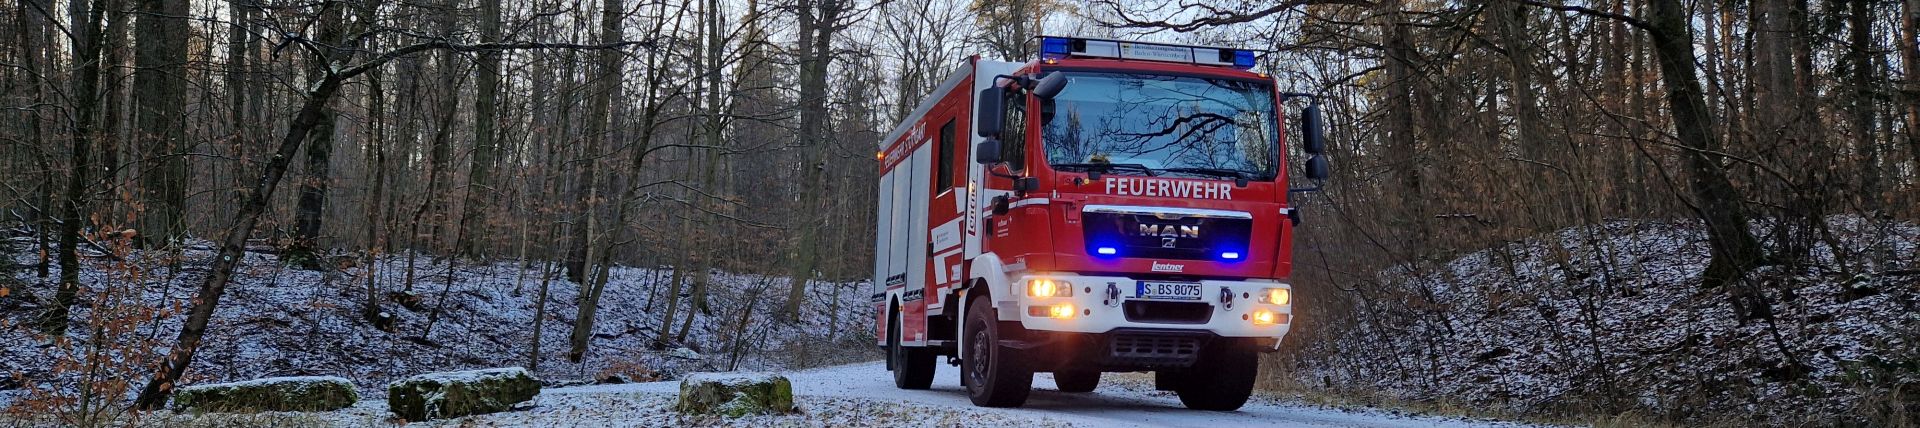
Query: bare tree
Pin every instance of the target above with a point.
(159, 81)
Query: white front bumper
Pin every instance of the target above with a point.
(1094, 313)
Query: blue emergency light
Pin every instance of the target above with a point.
(1107, 251)
(1055, 48)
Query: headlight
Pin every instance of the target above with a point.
(1277, 296)
(1049, 288)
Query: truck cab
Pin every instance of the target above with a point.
(1122, 207)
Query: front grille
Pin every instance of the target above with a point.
(1167, 312)
(1154, 350)
(1144, 233)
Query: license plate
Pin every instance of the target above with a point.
(1167, 290)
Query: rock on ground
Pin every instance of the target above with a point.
(278, 394)
(735, 394)
(462, 393)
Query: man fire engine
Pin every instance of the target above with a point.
(1112, 206)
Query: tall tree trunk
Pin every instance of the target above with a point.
(1860, 57)
(1716, 201)
(1403, 132)
(479, 193)
(608, 80)
(1910, 59)
(73, 206)
(311, 207)
(376, 155)
(159, 82)
(114, 121)
(819, 22)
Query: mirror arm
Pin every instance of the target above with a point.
(1314, 97)
(1317, 184)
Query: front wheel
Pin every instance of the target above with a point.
(1221, 380)
(994, 374)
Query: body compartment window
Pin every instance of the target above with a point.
(945, 159)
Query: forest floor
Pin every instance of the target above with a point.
(1611, 319)
(276, 320)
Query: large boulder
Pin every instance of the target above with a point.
(456, 394)
(735, 394)
(278, 394)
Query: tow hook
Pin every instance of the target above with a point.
(1226, 298)
(1113, 295)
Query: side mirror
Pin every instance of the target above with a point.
(1050, 86)
(1317, 167)
(989, 105)
(987, 152)
(1315, 138)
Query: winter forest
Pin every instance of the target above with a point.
(1589, 212)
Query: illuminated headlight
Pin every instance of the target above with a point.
(1277, 296)
(1049, 288)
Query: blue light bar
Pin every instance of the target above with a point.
(1230, 255)
(1108, 251)
(1053, 48)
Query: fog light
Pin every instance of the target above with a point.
(1277, 296)
(1061, 311)
(1263, 317)
(1049, 288)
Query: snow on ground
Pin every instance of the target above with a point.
(1612, 317)
(276, 320)
(863, 395)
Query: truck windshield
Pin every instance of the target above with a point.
(1140, 124)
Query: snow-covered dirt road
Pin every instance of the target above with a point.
(1123, 400)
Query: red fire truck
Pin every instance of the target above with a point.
(1111, 206)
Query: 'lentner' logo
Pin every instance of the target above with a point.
(1167, 267)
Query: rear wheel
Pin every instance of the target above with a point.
(912, 365)
(994, 374)
(1076, 381)
(1221, 380)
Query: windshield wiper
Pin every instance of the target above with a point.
(1106, 167)
(1217, 172)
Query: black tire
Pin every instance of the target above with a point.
(1076, 381)
(912, 366)
(995, 375)
(1222, 379)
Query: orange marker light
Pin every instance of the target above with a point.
(1263, 317)
(1062, 311)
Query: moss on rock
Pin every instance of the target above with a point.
(735, 394)
(456, 394)
(279, 394)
